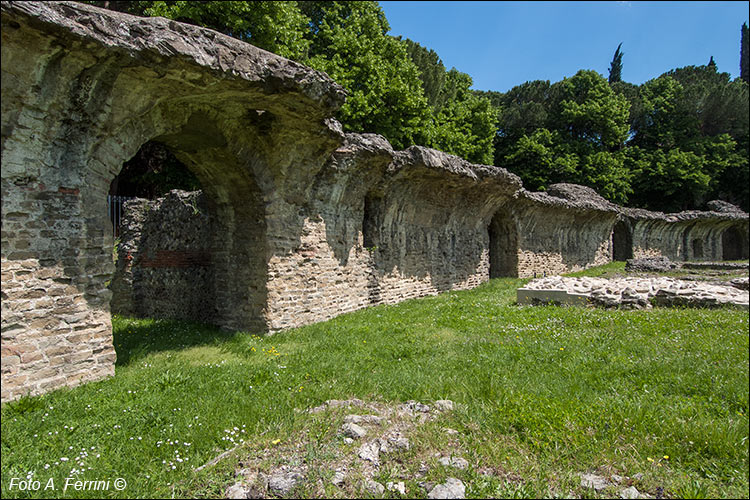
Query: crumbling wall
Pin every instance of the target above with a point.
(690, 235)
(165, 265)
(298, 222)
(83, 88)
(566, 229)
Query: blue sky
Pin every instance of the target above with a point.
(503, 44)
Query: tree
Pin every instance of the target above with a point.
(744, 55)
(692, 133)
(712, 64)
(431, 71)
(349, 41)
(590, 112)
(540, 159)
(615, 67)
(465, 124)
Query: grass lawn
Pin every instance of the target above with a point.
(543, 393)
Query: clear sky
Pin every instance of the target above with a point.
(503, 44)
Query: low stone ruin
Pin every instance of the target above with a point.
(632, 292)
(644, 264)
(298, 221)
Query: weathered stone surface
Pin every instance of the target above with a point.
(723, 206)
(373, 487)
(339, 477)
(631, 293)
(539, 234)
(353, 431)
(690, 235)
(363, 419)
(659, 264)
(451, 488)
(237, 491)
(444, 405)
(370, 452)
(457, 462)
(595, 481)
(631, 492)
(83, 88)
(741, 283)
(282, 484)
(394, 442)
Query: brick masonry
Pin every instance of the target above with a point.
(298, 222)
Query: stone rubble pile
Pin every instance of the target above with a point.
(631, 292)
(376, 433)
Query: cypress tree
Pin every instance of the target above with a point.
(615, 67)
(744, 69)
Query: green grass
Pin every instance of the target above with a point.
(545, 393)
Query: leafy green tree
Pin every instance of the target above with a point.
(521, 111)
(465, 124)
(698, 109)
(669, 180)
(658, 122)
(744, 55)
(591, 112)
(605, 171)
(432, 72)
(615, 67)
(540, 159)
(349, 41)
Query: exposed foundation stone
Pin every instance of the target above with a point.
(633, 293)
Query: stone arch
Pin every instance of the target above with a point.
(503, 241)
(732, 244)
(236, 252)
(622, 241)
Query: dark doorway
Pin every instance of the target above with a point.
(697, 248)
(151, 173)
(622, 242)
(731, 244)
(371, 220)
(503, 246)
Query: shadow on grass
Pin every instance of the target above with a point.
(137, 338)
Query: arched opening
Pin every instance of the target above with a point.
(697, 246)
(371, 219)
(198, 255)
(622, 242)
(150, 174)
(503, 246)
(731, 244)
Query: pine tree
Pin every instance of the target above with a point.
(615, 67)
(744, 69)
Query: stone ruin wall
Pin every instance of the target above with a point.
(692, 235)
(402, 203)
(568, 228)
(165, 257)
(298, 222)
